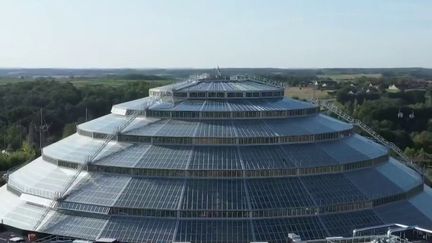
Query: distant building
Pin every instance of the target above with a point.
(214, 160)
(393, 88)
(328, 84)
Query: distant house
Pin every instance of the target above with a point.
(329, 84)
(393, 88)
(324, 84)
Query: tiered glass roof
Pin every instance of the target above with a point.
(213, 161)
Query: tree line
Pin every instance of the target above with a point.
(61, 105)
(403, 116)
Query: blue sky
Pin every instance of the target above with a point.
(228, 33)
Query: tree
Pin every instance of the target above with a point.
(423, 140)
(69, 129)
(14, 137)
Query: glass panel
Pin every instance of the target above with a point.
(367, 181)
(332, 189)
(99, 189)
(40, 178)
(74, 226)
(399, 174)
(213, 105)
(83, 208)
(277, 193)
(160, 157)
(215, 195)
(151, 194)
(214, 231)
(148, 128)
(253, 128)
(128, 157)
(104, 124)
(215, 158)
(344, 224)
(268, 157)
(178, 128)
(403, 212)
(139, 229)
(308, 155)
(77, 148)
(277, 230)
(216, 129)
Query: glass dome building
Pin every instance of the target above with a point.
(213, 160)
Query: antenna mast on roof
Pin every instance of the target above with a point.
(43, 127)
(218, 72)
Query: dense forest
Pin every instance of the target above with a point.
(403, 116)
(37, 113)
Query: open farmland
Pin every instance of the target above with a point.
(305, 93)
(350, 77)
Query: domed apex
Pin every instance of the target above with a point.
(206, 86)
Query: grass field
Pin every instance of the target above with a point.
(349, 77)
(305, 93)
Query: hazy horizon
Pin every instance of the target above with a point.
(200, 68)
(203, 34)
(214, 67)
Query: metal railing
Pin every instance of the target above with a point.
(15, 168)
(185, 84)
(362, 239)
(356, 122)
(19, 187)
(267, 81)
(54, 238)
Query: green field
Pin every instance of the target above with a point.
(305, 93)
(350, 77)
